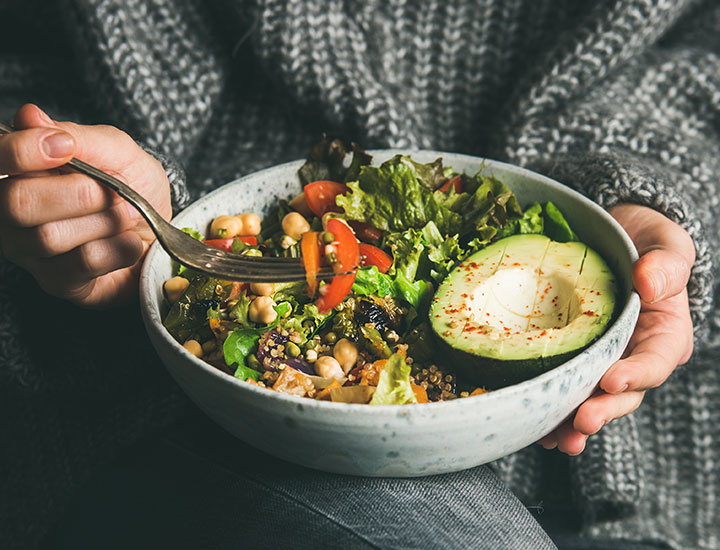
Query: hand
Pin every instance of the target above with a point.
(80, 240)
(663, 338)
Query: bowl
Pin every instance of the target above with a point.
(387, 440)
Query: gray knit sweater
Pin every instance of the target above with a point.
(617, 98)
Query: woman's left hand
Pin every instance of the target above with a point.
(663, 338)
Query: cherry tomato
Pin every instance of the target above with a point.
(320, 196)
(226, 244)
(455, 182)
(372, 255)
(366, 232)
(310, 247)
(348, 257)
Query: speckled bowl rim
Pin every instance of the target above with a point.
(629, 309)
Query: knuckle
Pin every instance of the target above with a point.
(48, 240)
(15, 201)
(87, 195)
(86, 260)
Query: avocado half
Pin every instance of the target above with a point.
(520, 307)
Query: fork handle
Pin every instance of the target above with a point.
(125, 191)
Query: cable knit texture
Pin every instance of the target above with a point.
(619, 99)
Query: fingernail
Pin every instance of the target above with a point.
(58, 145)
(134, 214)
(659, 282)
(622, 388)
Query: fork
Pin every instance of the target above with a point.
(193, 253)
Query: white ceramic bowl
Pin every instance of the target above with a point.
(412, 440)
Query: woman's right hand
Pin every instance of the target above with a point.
(80, 240)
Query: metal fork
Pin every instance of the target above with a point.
(193, 253)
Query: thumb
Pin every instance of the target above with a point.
(659, 274)
(667, 252)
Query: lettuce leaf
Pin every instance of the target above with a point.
(370, 281)
(556, 227)
(394, 386)
(391, 198)
(327, 162)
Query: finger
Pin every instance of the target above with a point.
(64, 275)
(32, 116)
(602, 408)
(35, 149)
(660, 274)
(101, 145)
(55, 238)
(549, 441)
(569, 440)
(32, 201)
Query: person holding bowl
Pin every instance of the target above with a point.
(616, 100)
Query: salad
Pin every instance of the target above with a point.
(399, 230)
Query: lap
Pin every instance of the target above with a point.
(199, 487)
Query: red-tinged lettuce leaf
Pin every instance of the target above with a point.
(391, 198)
(327, 162)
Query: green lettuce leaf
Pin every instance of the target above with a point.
(391, 198)
(370, 281)
(394, 386)
(556, 226)
(416, 293)
(239, 344)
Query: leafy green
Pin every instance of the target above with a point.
(240, 312)
(556, 227)
(190, 313)
(243, 373)
(407, 250)
(239, 344)
(430, 175)
(326, 161)
(193, 233)
(370, 281)
(391, 198)
(394, 387)
(416, 293)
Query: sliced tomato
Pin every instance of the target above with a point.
(320, 196)
(372, 255)
(310, 247)
(226, 244)
(366, 232)
(348, 257)
(455, 182)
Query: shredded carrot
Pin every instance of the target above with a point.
(478, 391)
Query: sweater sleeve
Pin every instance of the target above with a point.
(643, 133)
(632, 121)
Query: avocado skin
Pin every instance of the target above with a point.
(493, 374)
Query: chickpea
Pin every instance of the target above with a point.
(252, 225)
(225, 227)
(346, 353)
(175, 287)
(194, 347)
(328, 367)
(261, 310)
(262, 289)
(294, 225)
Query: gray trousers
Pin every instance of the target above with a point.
(200, 488)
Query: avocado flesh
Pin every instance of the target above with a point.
(522, 306)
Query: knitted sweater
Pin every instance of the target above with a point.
(619, 99)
